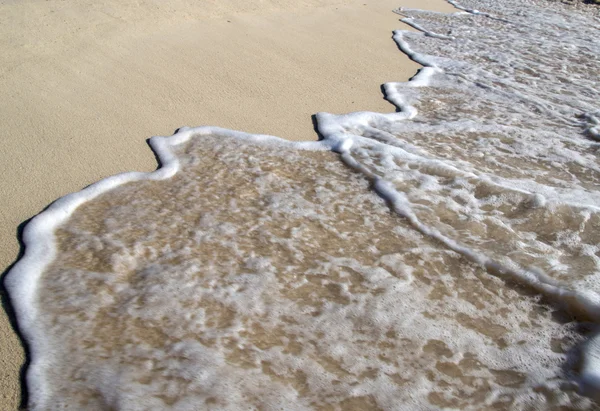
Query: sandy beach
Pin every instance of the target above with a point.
(86, 84)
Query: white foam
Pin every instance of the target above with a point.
(40, 246)
(526, 167)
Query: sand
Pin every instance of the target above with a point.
(85, 84)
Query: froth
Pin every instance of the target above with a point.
(284, 283)
(249, 271)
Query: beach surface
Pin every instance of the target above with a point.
(85, 84)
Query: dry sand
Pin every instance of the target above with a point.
(85, 83)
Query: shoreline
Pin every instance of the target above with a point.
(62, 108)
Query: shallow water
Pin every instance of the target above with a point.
(445, 256)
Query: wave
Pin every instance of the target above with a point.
(252, 270)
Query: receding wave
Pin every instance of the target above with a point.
(443, 256)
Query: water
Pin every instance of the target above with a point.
(444, 256)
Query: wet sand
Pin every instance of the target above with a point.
(85, 84)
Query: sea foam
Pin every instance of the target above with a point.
(253, 272)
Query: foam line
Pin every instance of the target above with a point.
(577, 302)
(477, 12)
(411, 22)
(585, 304)
(40, 245)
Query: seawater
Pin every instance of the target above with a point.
(443, 256)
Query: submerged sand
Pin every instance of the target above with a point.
(85, 84)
